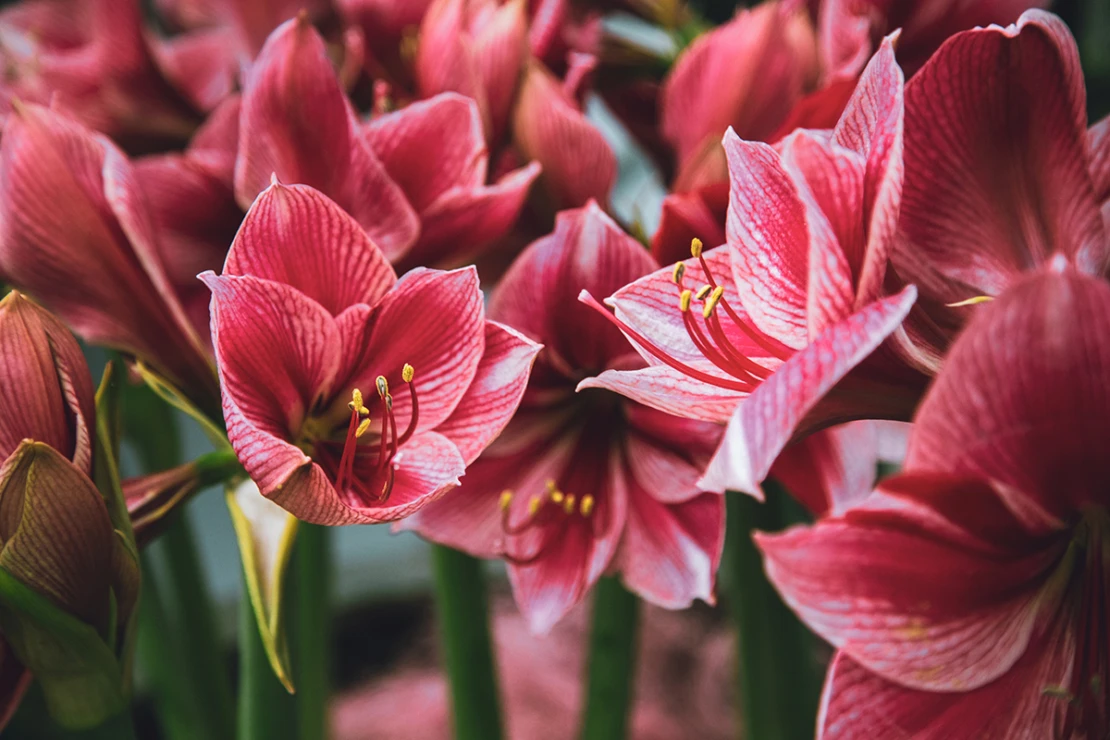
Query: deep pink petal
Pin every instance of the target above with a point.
(577, 162)
(201, 64)
(1023, 397)
(700, 214)
(859, 705)
(298, 236)
(667, 469)
(538, 295)
(833, 469)
(996, 161)
(762, 425)
(493, 396)
(445, 58)
(500, 46)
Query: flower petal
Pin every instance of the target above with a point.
(445, 57)
(762, 425)
(831, 470)
(996, 161)
(500, 46)
(493, 396)
(297, 236)
(671, 391)
(699, 214)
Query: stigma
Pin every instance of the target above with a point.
(548, 513)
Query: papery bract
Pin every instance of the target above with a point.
(794, 304)
(306, 313)
(968, 596)
(580, 484)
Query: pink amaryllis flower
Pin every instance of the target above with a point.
(968, 596)
(772, 332)
(583, 483)
(965, 233)
(76, 233)
(351, 396)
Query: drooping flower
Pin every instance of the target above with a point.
(76, 233)
(583, 483)
(967, 230)
(793, 306)
(350, 396)
(968, 596)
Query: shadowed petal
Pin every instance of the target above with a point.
(685, 216)
(831, 470)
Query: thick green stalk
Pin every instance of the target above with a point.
(266, 710)
(612, 662)
(312, 629)
(158, 653)
(465, 634)
(119, 727)
(151, 427)
(779, 676)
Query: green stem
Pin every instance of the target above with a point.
(176, 702)
(312, 629)
(266, 710)
(779, 676)
(612, 662)
(464, 630)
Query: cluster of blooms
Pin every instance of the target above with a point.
(907, 219)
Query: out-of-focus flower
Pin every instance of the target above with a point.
(850, 30)
(60, 557)
(76, 233)
(793, 306)
(580, 484)
(549, 127)
(306, 313)
(968, 596)
(699, 214)
(966, 231)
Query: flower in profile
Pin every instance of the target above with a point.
(773, 333)
(968, 596)
(57, 541)
(76, 233)
(351, 396)
(583, 483)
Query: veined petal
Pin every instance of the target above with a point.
(831, 470)
(685, 216)
(1098, 143)
(669, 474)
(500, 46)
(445, 58)
(298, 236)
(672, 391)
(762, 425)
(493, 396)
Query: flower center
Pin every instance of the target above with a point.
(708, 334)
(548, 514)
(319, 435)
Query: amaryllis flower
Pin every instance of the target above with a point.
(968, 595)
(851, 29)
(414, 179)
(583, 483)
(964, 232)
(75, 233)
(699, 214)
(772, 332)
(350, 396)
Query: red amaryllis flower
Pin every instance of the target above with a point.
(964, 231)
(793, 305)
(851, 29)
(969, 596)
(350, 396)
(76, 233)
(579, 484)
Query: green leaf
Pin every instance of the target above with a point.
(76, 669)
(171, 395)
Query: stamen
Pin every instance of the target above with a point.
(711, 304)
(568, 505)
(684, 300)
(970, 301)
(696, 247)
(679, 272)
(587, 505)
(362, 427)
(407, 374)
(506, 499)
(703, 291)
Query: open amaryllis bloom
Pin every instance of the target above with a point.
(76, 233)
(582, 483)
(965, 233)
(968, 596)
(350, 396)
(772, 332)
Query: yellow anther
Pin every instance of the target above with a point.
(703, 291)
(714, 299)
(695, 247)
(971, 301)
(568, 504)
(587, 505)
(355, 404)
(534, 505)
(407, 373)
(383, 386)
(506, 499)
(556, 497)
(684, 300)
(362, 427)
(550, 486)
(679, 271)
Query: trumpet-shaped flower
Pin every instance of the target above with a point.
(968, 596)
(580, 484)
(351, 396)
(772, 332)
